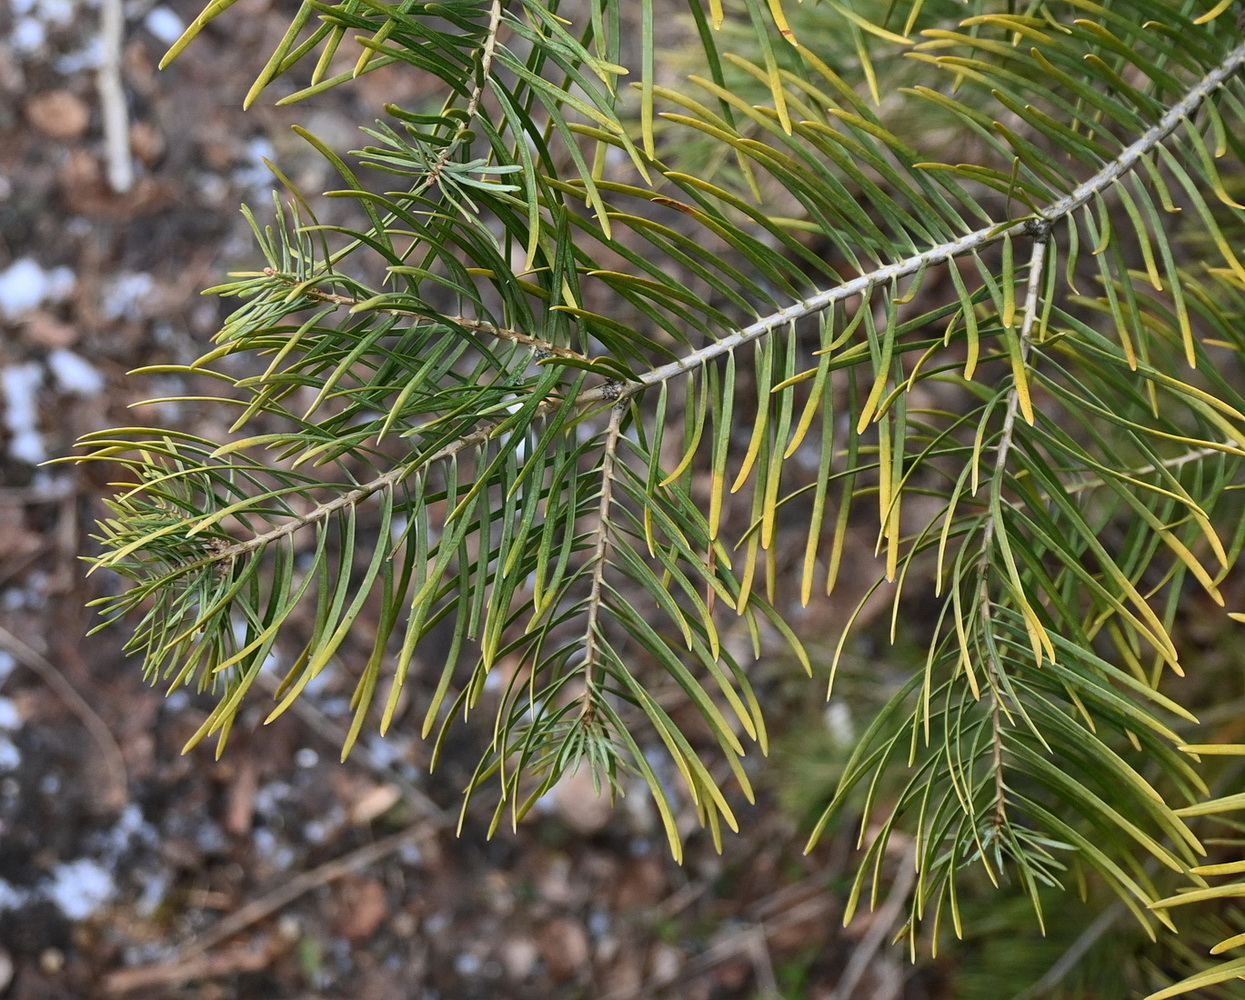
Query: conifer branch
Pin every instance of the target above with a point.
(1037, 226)
(598, 560)
(487, 51)
(467, 323)
(560, 539)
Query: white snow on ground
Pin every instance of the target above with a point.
(10, 756)
(31, 19)
(27, 35)
(254, 174)
(80, 887)
(11, 897)
(164, 24)
(24, 286)
(89, 57)
(126, 294)
(74, 375)
(10, 718)
(20, 384)
(19, 387)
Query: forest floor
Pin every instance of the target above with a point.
(129, 869)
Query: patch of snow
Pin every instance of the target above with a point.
(316, 832)
(280, 855)
(10, 718)
(254, 174)
(265, 840)
(210, 839)
(21, 414)
(306, 757)
(129, 828)
(386, 751)
(335, 707)
(74, 374)
(55, 11)
(269, 797)
(54, 486)
(10, 756)
(32, 19)
(129, 822)
(164, 24)
(28, 35)
(24, 286)
(126, 295)
(211, 188)
(7, 663)
(80, 887)
(89, 57)
(11, 897)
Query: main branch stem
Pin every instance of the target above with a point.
(612, 391)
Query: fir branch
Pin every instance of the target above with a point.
(487, 50)
(1017, 394)
(1006, 743)
(598, 560)
(1037, 225)
(467, 323)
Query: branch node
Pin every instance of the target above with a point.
(1038, 227)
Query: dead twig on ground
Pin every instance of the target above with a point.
(114, 761)
(174, 974)
(743, 942)
(191, 961)
(881, 926)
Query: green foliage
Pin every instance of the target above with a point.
(640, 354)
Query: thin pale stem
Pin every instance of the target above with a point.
(1037, 261)
(1037, 266)
(466, 322)
(112, 97)
(599, 562)
(996, 720)
(487, 51)
(387, 480)
(1175, 462)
